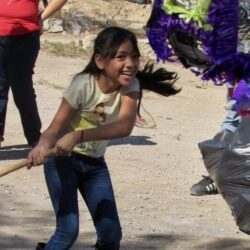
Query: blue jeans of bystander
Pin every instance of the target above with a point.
(233, 118)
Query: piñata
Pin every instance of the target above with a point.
(204, 35)
(212, 37)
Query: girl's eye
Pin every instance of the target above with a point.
(120, 56)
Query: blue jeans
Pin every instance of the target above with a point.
(64, 177)
(233, 118)
(232, 121)
(18, 55)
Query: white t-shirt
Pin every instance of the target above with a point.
(94, 108)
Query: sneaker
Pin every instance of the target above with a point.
(204, 187)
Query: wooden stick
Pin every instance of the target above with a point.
(8, 169)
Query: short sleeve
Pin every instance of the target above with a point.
(74, 94)
(134, 86)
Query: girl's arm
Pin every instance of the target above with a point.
(50, 136)
(64, 146)
(120, 128)
(51, 8)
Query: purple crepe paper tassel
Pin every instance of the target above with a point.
(242, 96)
(219, 44)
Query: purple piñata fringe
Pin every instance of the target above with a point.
(220, 44)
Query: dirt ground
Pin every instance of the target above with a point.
(152, 171)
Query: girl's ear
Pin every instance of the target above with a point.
(99, 61)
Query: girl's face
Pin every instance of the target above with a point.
(121, 69)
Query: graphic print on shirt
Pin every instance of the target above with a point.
(100, 111)
(91, 119)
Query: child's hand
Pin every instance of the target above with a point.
(65, 145)
(37, 155)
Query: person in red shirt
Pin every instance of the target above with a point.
(20, 29)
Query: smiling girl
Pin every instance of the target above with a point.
(100, 104)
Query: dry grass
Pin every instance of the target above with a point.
(62, 49)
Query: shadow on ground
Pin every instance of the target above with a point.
(225, 243)
(133, 140)
(146, 242)
(35, 224)
(23, 224)
(14, 152)
(17, 152)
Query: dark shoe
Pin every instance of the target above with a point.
(97, 247)
(40, 246)
(204, 187)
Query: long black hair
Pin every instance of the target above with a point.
(107, 44)
(159, 81)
